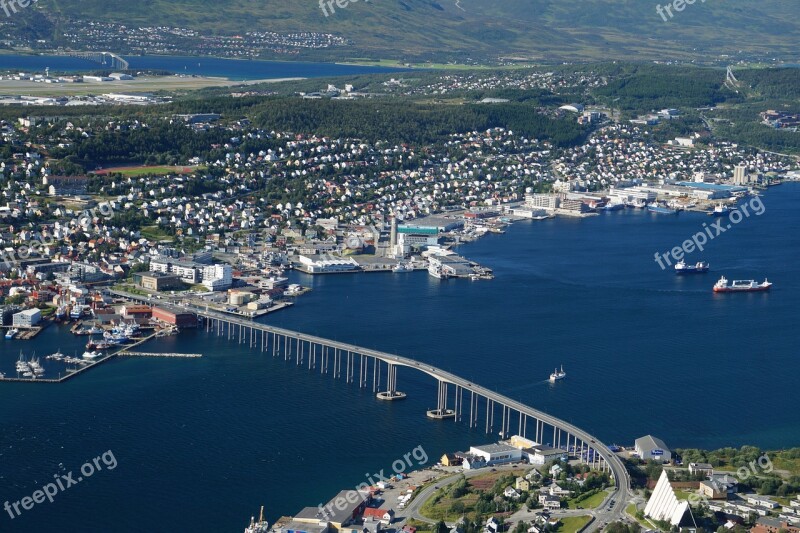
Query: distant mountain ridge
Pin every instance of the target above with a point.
(480, 29)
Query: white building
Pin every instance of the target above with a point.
(650, 447)
(664, 505)
(542, 201)
(497, 453)
(27, 319)
(217, 277)
(327, 264)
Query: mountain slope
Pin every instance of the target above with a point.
(451, 29)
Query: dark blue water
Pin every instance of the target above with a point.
(208, 441)
(201, 66)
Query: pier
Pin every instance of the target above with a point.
(151, 354)
(458, 398)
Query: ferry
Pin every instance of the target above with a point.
(661, 210)
(403, 267)
(257, 527)
(700, 267)
(10, 334)
(436, 271)
(741, 286)
(557, 374)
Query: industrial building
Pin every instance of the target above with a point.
(27, 318)
(326, 264)
(136, 311)
(650, 447)
(494, 454)
(181, 319)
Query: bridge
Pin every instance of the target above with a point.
(457, 396)
(111, 59)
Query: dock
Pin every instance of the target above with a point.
(122, 351)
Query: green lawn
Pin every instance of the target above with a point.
(589, 503)
(571, 524)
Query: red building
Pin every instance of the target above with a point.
(176, 318)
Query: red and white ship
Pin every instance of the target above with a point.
(741, 286)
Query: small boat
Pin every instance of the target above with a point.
(257, 527)
(91, 356)
(22, 365)
(698, 268)
(10, 334)
(403, 267)
(741, 286)
(557, 374)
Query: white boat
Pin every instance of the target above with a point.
(22, 365)
(403, 267)
(91, 356)
(10, 334)
(35, 366)
(557, 374)
(58, 356)
(435, 270)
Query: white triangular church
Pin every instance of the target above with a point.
(664, 505)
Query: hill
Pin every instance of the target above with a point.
(460, 30)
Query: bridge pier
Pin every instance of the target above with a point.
(391, 393)
(441, 412)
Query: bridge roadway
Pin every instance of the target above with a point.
(614, 463)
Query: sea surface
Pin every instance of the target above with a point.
(201, 444)
(201, 66)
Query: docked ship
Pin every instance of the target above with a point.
(61, 312)
(10, 334)
(612, 206)
(403, 267)
(741, 286)
(435, 270)
(661, 210)
(698, 268)
(720, 210)
(257, 527)
(557, 374)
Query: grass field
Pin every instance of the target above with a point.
(589, 503)
(142, 171)
(438, 507)
(571, 524)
